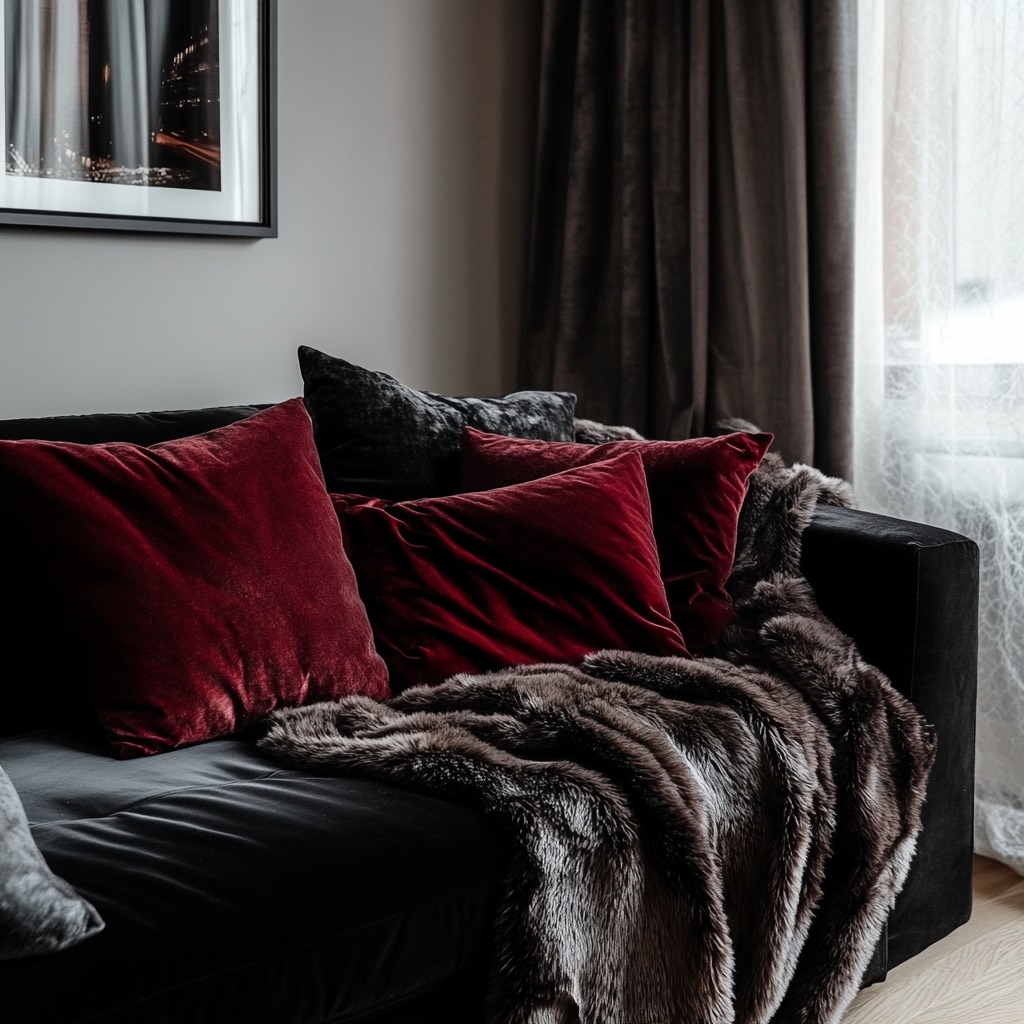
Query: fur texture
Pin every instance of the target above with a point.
(711, 840)
(591, 432)
(39, 911)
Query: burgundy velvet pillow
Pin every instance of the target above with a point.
(697, 489)
(545, 571)
(203, 581)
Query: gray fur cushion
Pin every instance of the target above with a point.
(380, 438)
(39, 912)
(592, 432)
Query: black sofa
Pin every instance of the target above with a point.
(233, 889)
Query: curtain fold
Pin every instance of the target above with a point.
(692, 233)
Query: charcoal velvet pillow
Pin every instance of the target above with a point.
(202, 581)
(475, 582)
(39, 911)
(696, 487)
(378, 437)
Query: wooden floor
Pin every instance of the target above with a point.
(975, 975)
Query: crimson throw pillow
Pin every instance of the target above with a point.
(545, 571)
(203, 581)
(696, 487)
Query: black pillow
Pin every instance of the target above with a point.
(377, 437)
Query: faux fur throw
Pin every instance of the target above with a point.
(710, 840)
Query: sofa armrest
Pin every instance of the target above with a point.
(908, 595)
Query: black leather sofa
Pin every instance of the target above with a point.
(235, 890)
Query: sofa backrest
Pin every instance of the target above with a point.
(136, 427)
(43, 688)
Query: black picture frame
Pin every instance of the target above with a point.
(69, 187)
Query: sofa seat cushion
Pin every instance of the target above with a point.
(39, 912)
(233, 889)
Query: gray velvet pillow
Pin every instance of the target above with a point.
(39, 912)
(375, 436)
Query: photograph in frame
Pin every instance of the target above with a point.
(153, 115)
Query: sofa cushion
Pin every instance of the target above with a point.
(545, 571)
(697, 489)
(137, 427)
(379, 437)
(39, 912)
(202, 581)
(233, 889)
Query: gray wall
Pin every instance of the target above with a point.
(403, 170)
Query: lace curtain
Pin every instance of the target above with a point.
(940, 327)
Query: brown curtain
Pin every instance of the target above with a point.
(691, 250)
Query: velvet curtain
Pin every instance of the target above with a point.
(691, 247)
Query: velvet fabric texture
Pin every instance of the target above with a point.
(696, 488)
(509, 576)
(27, 632)
(378, 437)
(691, 251)
(39, 911)
(202, 581)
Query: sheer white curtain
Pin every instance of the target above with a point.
(940, 327)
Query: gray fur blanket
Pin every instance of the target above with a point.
(710, 840)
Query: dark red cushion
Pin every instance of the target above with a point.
(697, 489)
(545, 571)
(203, 581)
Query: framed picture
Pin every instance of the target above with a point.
(139, 115)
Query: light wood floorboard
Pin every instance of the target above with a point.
(976, 974)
